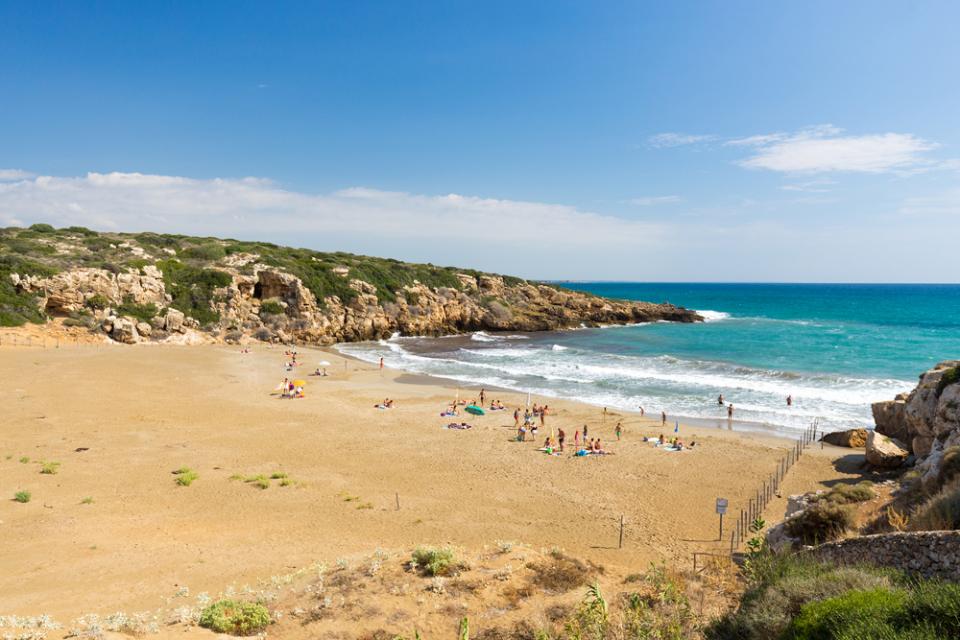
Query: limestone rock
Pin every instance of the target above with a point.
(173, 321)
(125, 330)
(144, 329)
(884, 452)
(853, 438)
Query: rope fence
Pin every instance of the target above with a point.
(771, 486)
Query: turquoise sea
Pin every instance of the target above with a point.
(834, 348)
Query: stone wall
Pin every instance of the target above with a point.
(932, 554)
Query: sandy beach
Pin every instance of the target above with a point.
(111, 531)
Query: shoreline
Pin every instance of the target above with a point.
(758, 429)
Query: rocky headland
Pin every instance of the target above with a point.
(151, 287)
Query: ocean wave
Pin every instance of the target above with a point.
(713, 316)
(682, 387)
(483, 336)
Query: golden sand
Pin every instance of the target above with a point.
(140, 413)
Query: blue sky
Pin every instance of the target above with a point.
(813, 141)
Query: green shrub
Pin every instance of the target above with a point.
(142, 312)
(927, 609)
(83, 231)
(782, 585)
(98, 301)
(192, 288)
(434, 561)
(821, 522)
(235, 617)
(24, 459)
(260, 481)
(204, 252)
(184, 476)
(87, 500)
(949, 377)
(41, 227)
(272, 307)
(22, 496)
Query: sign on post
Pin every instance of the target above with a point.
(721, 509)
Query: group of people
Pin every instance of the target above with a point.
(675, 443)
(290, 390)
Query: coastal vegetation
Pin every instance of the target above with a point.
(22, 496)
(235, 617)
(792, 598)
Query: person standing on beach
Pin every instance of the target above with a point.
(641, 410)
(483, 395)
(576, 440)
(586, 432)
(561, 436)
(516, 417)
(730, 411)
(543, 415)
(663, 418)
(381, 363)
(789, 401)
(618, 430)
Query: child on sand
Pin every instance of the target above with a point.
(618, 430)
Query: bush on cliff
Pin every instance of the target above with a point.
(941, 511)
(849, 493)
(824, 521)
(192, 288)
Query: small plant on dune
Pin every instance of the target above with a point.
(49, 468)
(464, 633)
(560, 573)
(24, 459)
(260, 481)
(278, 475)
(87, 500)
(234, 617)
(434, 561)
(22, 496)
(286, 482)
(185, 476)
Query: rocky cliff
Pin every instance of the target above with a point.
(926, 420)
(230, 290)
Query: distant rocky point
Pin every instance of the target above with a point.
(147, 286)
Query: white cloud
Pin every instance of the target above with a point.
(810, 186)
(8, 175)
(650, 201)
(254, 206)
(823, 149)
(666, 140)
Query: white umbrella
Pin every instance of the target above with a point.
(323, 363)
